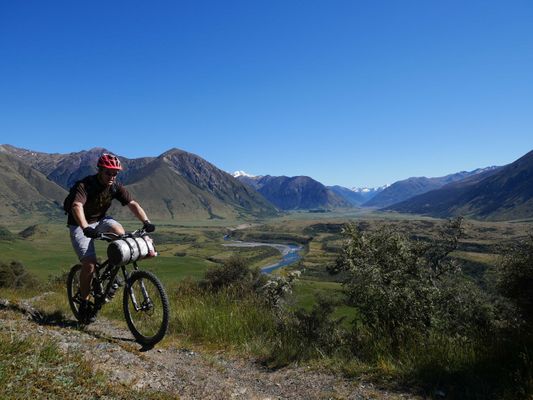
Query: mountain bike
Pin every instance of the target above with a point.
(145, 302)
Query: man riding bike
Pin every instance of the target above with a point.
(91, 198)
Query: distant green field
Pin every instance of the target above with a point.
(183, 251)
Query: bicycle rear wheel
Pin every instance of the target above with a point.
(74, 294)
(73, 290)
(146, 308)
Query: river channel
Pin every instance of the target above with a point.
(289, 253)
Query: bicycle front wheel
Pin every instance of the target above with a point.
(146, 308)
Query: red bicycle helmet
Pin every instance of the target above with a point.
(109, 161)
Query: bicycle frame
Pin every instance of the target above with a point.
(106, 271)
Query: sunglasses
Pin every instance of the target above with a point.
(110, 172)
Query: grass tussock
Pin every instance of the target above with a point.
(221, 320)
(34, 367)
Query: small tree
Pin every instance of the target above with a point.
(15, 275)
(404, 287)
(385, 282)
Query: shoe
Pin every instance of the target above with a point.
(86, 312)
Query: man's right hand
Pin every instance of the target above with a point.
(90, 232)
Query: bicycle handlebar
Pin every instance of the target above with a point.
(111, 236)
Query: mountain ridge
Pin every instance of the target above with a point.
(504, 194)
(295, 193)
(410, 187)
(27, 191)
(178, 185)
(175, 185)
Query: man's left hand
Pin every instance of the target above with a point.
(148, 226)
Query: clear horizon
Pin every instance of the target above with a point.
(349, 93)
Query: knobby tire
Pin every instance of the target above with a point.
(73, 289)
(146, 331)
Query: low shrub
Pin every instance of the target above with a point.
(6, 235)
(233, 274)
(305, 335)
(276, 288)
(15, 275)
(514, 277)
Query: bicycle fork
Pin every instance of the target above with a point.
(147, 303)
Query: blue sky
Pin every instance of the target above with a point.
(355, 93)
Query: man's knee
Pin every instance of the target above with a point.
(88, 263)
(118, 229)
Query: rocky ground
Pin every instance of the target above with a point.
(188, 374)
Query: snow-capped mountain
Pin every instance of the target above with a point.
(369, 190)
(357, 196)
(238, 174)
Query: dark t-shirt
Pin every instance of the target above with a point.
(96, 198)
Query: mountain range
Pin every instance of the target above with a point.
(174, 185)
(180, 185)
(405, 189)
(356, 196)
(499, 194)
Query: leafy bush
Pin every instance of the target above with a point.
(15, 275)
(275, 289)
(405, 288)
(234, 276)
(308, 334)
(462, 309)
(6, 235)
(233, 273)
(515, 277)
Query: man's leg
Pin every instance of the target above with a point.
(109, 225)
(84, 248)
(88, 265)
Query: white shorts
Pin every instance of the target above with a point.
(84, 246)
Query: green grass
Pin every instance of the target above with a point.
(218, 320)
(173, 269)
(34, 367)
(52, 254)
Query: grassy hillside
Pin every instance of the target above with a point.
(25, 191)
(506, 194)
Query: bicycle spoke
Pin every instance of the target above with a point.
(145, 316)
(146, 308)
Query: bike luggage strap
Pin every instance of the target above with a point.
(138, 247)
(131, 250)
(147, 246)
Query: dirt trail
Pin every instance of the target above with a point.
(188, 374)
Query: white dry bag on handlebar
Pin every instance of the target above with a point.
(125, 251)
